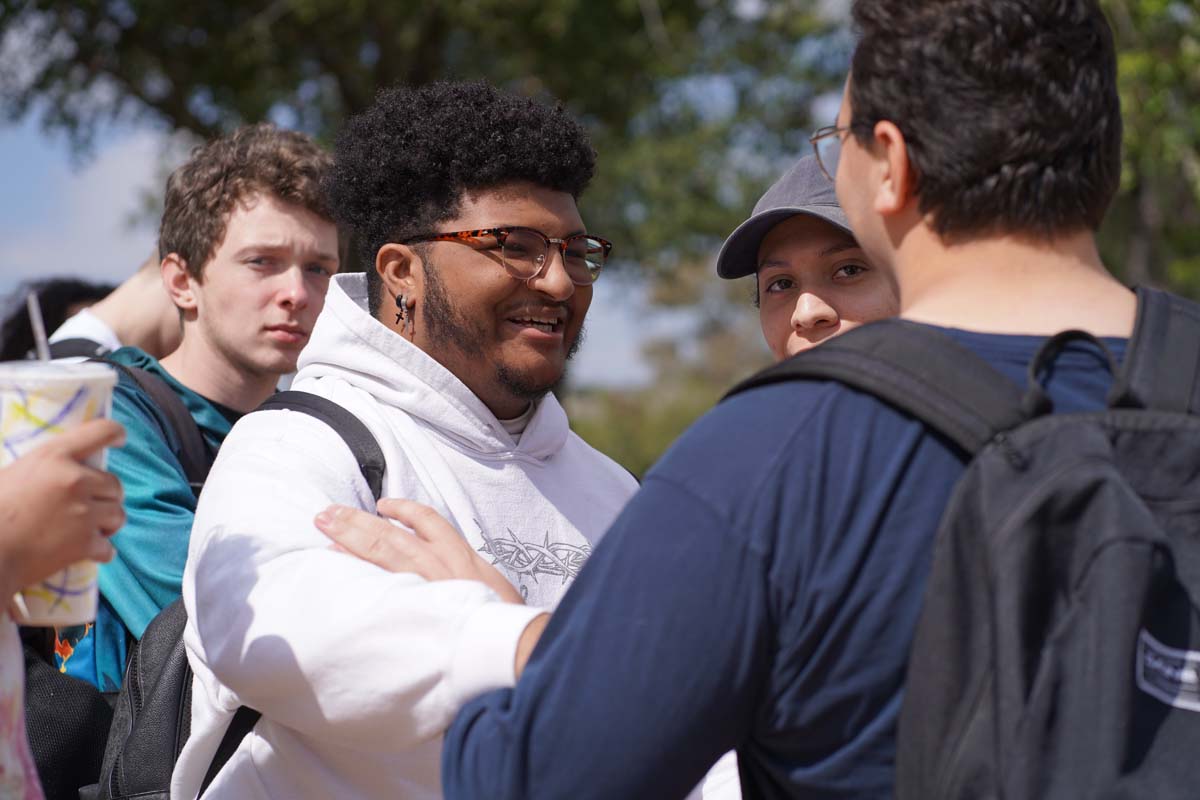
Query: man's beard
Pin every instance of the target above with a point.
(446, 325)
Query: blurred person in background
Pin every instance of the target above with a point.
(138, 313)
(59, 299)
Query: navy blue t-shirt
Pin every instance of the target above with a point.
(760, 592)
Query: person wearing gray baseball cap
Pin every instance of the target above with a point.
(813, 280)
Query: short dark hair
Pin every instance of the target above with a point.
(1009, 108)
(57, 299)
(253, 159)
(404, 164)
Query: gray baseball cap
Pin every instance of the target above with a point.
(803, 189)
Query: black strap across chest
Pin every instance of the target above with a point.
(931, 377)
(194, 454)
(77, 347)
(358, 437)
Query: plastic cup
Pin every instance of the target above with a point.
(38, 401)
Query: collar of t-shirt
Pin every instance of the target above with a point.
(516, 426)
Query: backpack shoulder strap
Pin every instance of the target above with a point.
(917, 370)
(77, 347)
(244, 720)
(358, 437)
(194, 454)
(1162, 366)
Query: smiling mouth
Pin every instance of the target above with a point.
(544, 324)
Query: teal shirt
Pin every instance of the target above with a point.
(147, 572)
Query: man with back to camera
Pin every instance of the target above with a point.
(248, 248)
(479, 277)
(975, 153)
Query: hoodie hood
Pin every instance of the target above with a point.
(350, 344)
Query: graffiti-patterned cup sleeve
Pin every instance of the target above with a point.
(39, 400)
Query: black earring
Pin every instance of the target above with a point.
(402, 309)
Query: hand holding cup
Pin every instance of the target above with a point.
(55, 510)
(55, 490)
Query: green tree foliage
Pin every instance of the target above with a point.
(636, 426)
(1153, 231)
(686, 101)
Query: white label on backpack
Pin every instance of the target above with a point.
(1170, 675)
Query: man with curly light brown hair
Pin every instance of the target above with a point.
(247, 248)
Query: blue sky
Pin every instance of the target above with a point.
(63, 216)
(58, 217)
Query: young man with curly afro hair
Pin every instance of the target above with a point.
(479, 271)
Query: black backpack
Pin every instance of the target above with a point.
(67, 722)
(1057, 654)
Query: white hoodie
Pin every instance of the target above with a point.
(357, 671)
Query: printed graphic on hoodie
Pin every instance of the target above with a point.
(521, 560)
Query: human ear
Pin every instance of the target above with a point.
(178, 282)
(896, 175)
(399, 267)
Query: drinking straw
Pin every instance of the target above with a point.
(22, 610)
(39, 327)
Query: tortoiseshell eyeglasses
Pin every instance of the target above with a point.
(525, 252)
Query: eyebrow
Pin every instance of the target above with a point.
(840, 247)
(539, 230)
(832, 250)
(276, 246)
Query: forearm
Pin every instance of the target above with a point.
(345, 652)
(647, 664)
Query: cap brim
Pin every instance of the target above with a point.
(739, 253)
